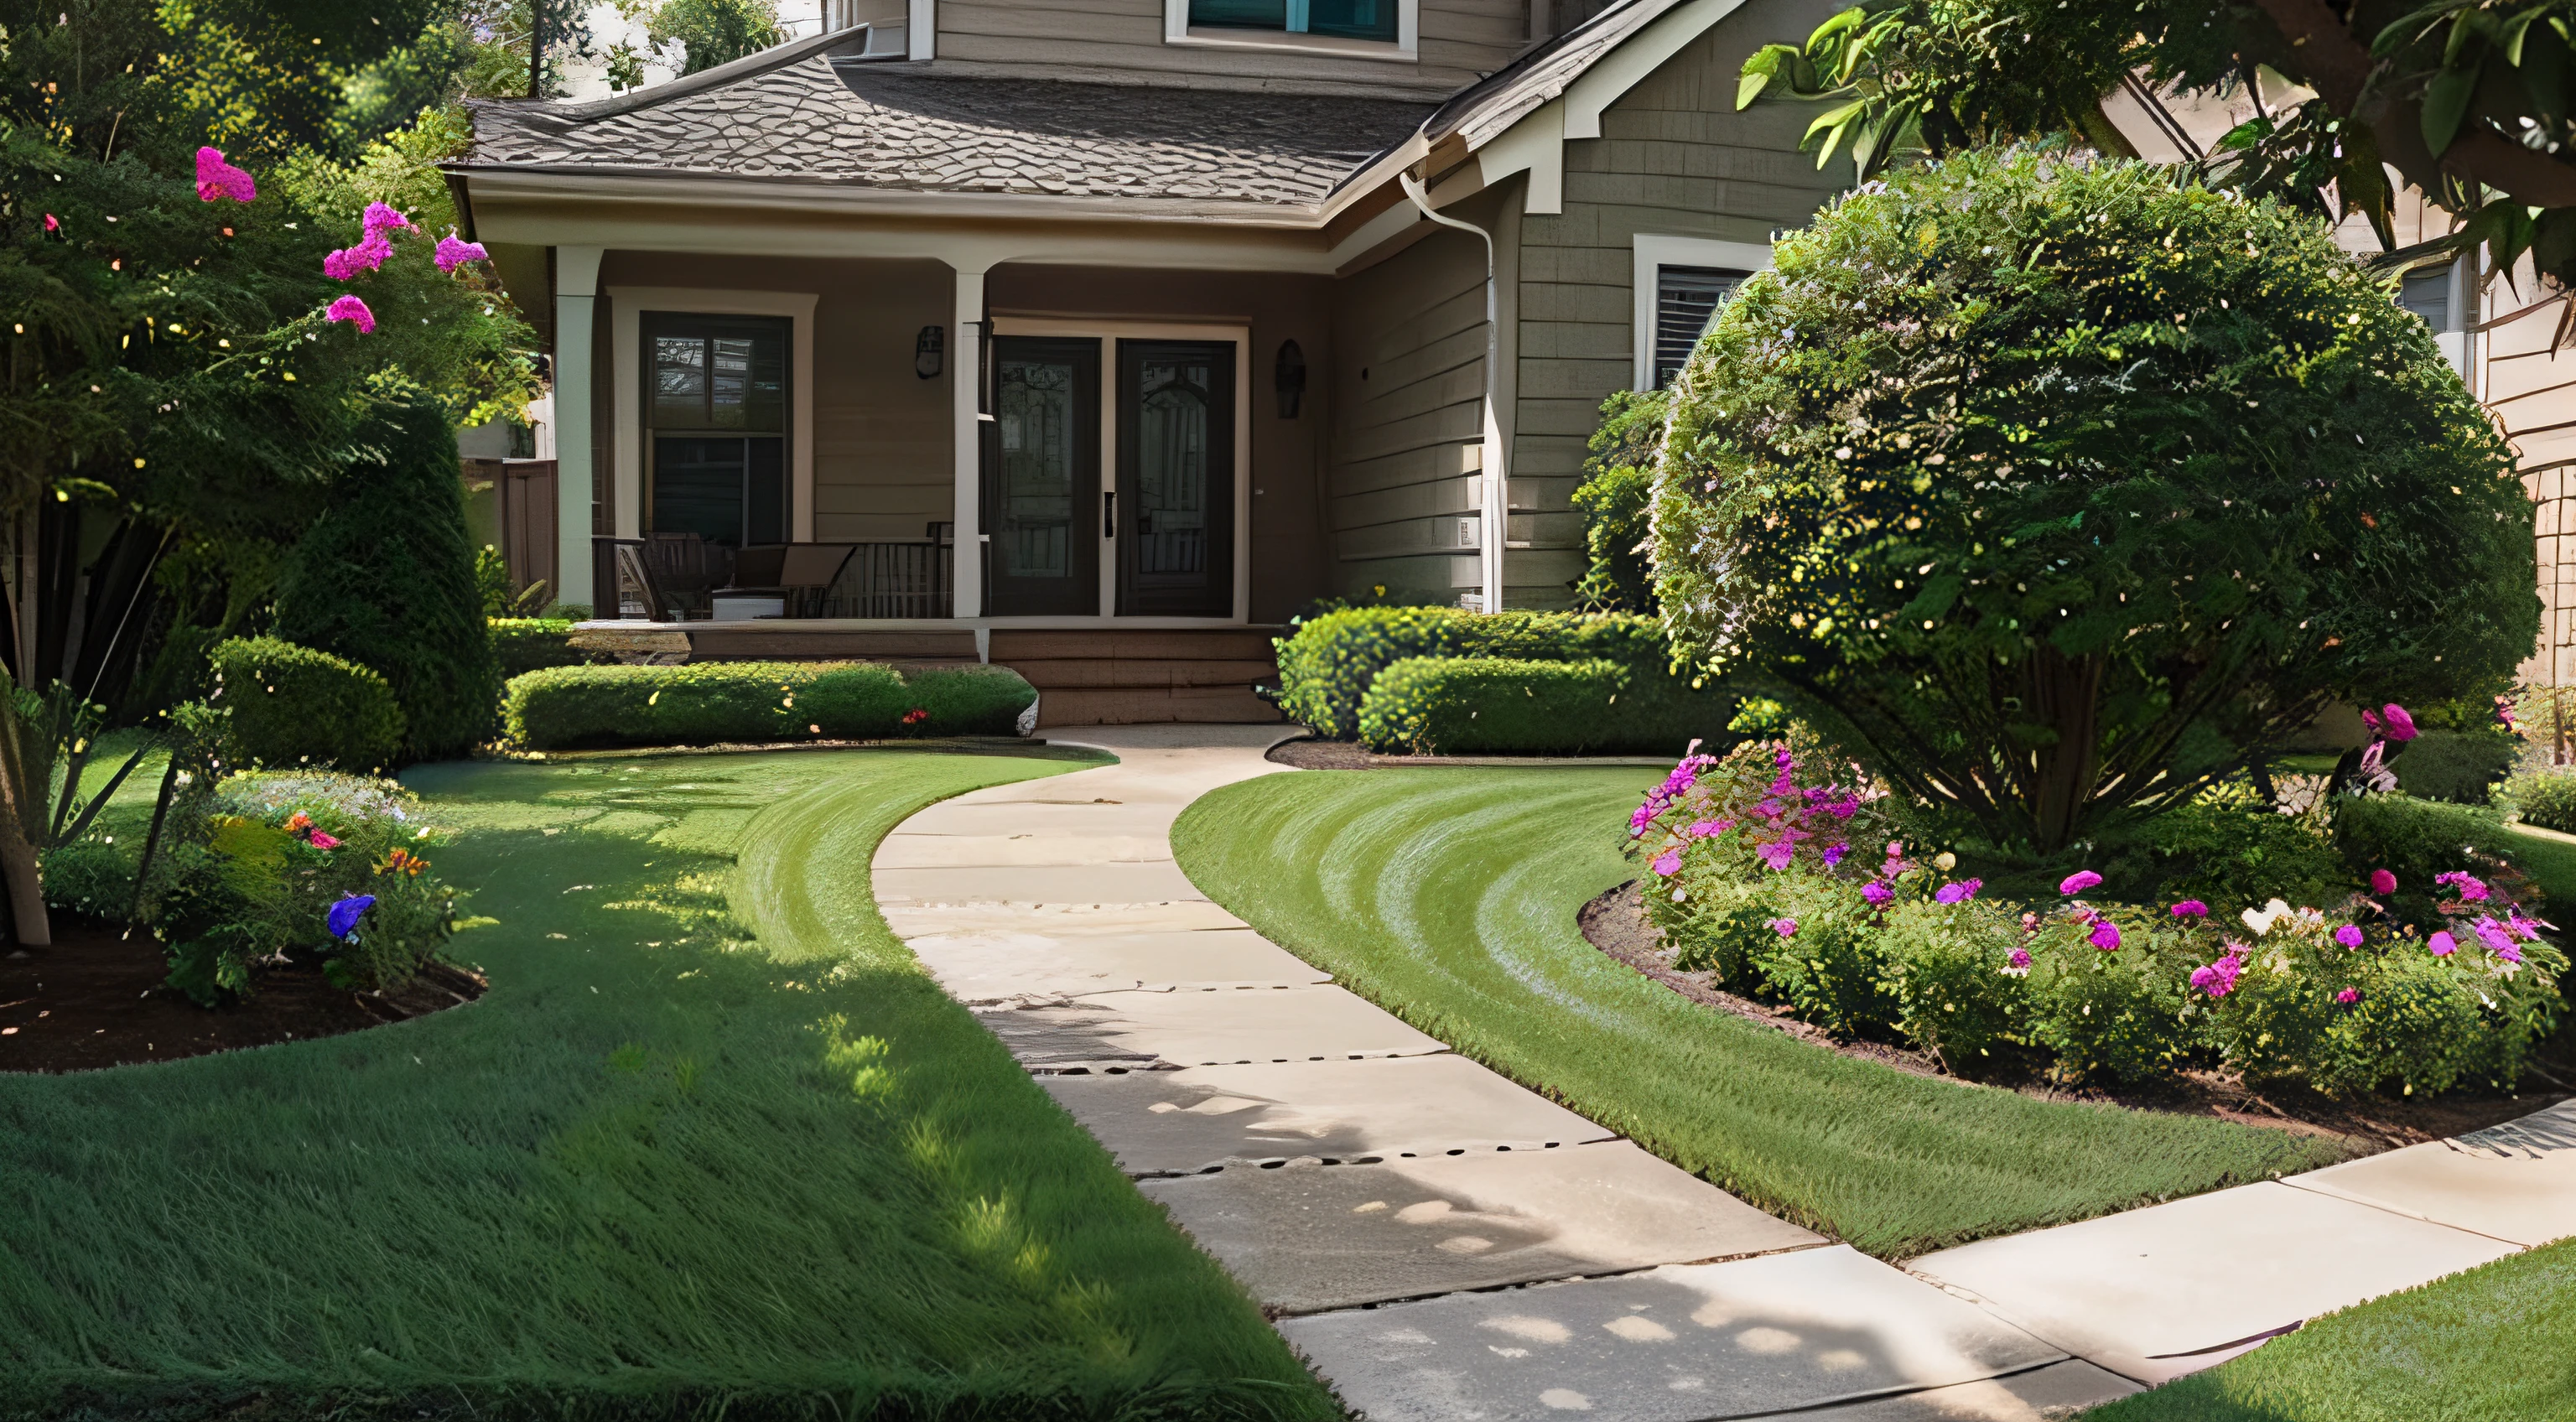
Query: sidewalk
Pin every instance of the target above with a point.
(1442, 1243)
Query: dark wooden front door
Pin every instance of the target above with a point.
(1175, 502)
(1042, 500)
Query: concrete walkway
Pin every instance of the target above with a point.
(1442, 1243)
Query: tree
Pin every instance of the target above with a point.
(2472, 101)
(717, 31)
(2057, 489)
(1617, 488)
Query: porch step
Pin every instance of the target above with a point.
(774, 641)
(1119, 677)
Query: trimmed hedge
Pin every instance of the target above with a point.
(295, 706)
(710, 702)
(2419, 839)
(526, 644)
(2459, 766)
(1503, 705)
(1326, 669)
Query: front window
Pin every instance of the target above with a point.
(717, 426)
(1338, 19)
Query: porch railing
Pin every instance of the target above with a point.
(885, 578)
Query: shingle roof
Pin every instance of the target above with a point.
(811, 115)
(1500, 99)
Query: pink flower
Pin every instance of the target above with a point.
(1777, 853)
(1704, 829)
(2020, 958)
(2442, 944)
(1785, 927)
(1958, 893)
(219, 179)
(2468, 885)
(381, 218)
(350, 308)
(2079, 881)
(2382, 882)
(2348, 996)
(2527, 929)
(2497, 940)
(2218, 979)
(2401, 727)
(1834, 854)
(2349, 935)
(453, 254)
(367, 256)
(53, 223)
(1876, 892)
(2504, 710)
(2105, 936)
(1666, 864)
(319, 840)
(2191, 908)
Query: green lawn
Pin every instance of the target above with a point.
(1448, 896)
(2495, 1343)
(712, 1143)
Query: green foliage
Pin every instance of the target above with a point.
(2546, 797)
(92, 877)
(526, 644)
(2118, 1015)
(386, 580)
(2230, 850)
(1465, 705)
(1825, 957)
(2463, 767)
(2057, 490)
(1615, 497)
(1947, 968)
(291, 705)
(717, 31)
(758, 702)
(2419, 839)
(1328, 665)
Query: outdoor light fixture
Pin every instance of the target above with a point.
(926, 350)
(1289, 377)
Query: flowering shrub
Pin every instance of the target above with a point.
(1792, 890)
(2545, 797)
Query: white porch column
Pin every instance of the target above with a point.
(965, 382)
(921, 29)
(576, 292)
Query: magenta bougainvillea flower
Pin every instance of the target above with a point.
(2401, 727)
(2348, 996)
(1668, 863)
(1834, 854)
(2218, 979)
(367, 256)
(1876, 892)
(1708, 829)
(2191, 908)
(2469, 886)
(2497, 940)
(2382, 882)
(2019, 958)
(2442, 944)
(2349, 935)
(1785, 927)
(381, 217)
(1958, 893)
(350, 308)
(2105, 935)
(2079, 881)
(219, 179)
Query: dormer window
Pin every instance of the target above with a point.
(1341, 19)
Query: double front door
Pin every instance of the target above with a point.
(1131, 468)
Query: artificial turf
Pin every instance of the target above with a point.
(2497, 1342)
(712, 1144)
(1448, 896)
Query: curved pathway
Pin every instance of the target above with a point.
(1442, 1243)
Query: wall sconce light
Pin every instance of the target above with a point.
(926, 349)
(1289, 377)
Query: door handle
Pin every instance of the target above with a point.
(1108, 514)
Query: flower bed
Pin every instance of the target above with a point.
(1803, 891)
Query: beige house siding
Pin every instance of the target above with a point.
(1674, 158)
(1121, 41)
(1408, 420)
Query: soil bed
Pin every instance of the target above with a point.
(1616, 923)
(97, 998)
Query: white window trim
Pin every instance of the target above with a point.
(1407, 48)
(1106, 332)
(627, 305)
(1655, 251)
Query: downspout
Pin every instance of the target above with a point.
(1492, 491)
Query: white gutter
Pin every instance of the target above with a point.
(1494, 511)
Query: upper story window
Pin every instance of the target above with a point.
(1686, 300)
(1337, 19)
(2426, 291)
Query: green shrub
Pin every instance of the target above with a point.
(1458, 705)
(386, 579)
(1948, 969)
(1326, 669)
(526, 644)
(2123, 1014)
(91, 876)
(711, 702)
(2232, 851)
(1824, 956)
(2419, 839)
(1614, 498)
(292, 705)
(2546, 798)
(2459, 766)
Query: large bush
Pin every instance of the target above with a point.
(293, 706)
(1326, 669)
(2058, 489)
(1462, 705)
(2463, 767)
(386, 580)
(711, 702)
(2545, 797)
(1617, 491)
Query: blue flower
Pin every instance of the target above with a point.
(344, 914)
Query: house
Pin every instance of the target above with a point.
(1107, 335)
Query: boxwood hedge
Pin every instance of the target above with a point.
(1508, 705)
(293, 705)
(1326, 669)
(711, 702)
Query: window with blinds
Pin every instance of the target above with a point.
(1686, 299)
(2426, 291)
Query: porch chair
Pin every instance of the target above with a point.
(685, 569)
(798, 575)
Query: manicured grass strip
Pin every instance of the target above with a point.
(1448, 896)
(712, 1143)
(2551, 863)
(2493, 1343)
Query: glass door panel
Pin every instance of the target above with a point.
(716, 413)
(1042, 496)
(1176, 478)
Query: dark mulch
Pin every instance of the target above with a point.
(1616, 923)
(1316, 753)
(96, 998)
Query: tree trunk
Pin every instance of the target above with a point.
(2067, 696)
(18, 866)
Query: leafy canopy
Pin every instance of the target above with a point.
(2059, 489)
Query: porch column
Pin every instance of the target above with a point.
(576, 291)
(965, 386)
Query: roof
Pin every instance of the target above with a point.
(1494, 103)
(816, 112)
